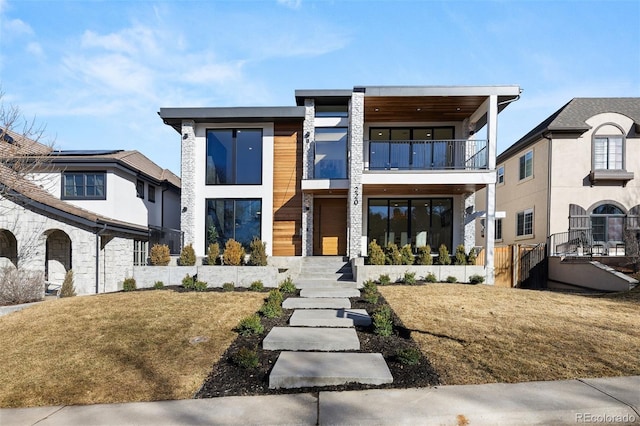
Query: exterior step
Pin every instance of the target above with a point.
(330, 283)
(306, 369)
(311, 339)
(316, 303)
(329, 292)
(330, 318)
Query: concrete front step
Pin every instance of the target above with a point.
(308, 283)
(307, 369)
(329, 292)
(311, 339)
(316, 303)
(330, 318)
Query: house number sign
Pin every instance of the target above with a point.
(356, 194)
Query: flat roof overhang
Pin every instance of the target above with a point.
(385, 191)
(174, 116)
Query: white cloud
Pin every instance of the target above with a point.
(35, 49)
(13, 28)
(135, 40)
(292, 4)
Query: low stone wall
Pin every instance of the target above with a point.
(214, 276)
(362, 272)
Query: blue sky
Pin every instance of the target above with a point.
(96, 72)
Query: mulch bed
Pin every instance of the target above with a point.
(227, 379)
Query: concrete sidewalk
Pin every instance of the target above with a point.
(594, 401)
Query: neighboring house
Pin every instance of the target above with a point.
(340, 169)
(91, 211)
(575, 178)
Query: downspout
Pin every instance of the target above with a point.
(98, 234)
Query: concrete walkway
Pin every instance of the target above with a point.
(568, 402)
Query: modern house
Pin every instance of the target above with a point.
(91, 211)
(342, 168)
(573, 180)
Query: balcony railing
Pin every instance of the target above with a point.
(428, 155)
(581, 243)
(168, 236)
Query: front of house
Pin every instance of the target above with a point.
(342, 168)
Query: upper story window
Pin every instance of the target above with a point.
(526, 165)
(152, 193)
(608, 153)
(140, 189)
(83, 186)
(330, 153)
(500, 174)
(332, 111)
(498, 230)
(234, 157)
(524, 223)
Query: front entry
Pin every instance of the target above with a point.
(330, 227)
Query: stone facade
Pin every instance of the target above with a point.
(356, 165)
(188, 171)
(308, 131)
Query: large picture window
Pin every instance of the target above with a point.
(232, 218)
(83, 186)
(234, 157)
(416, 221)
(330, 153)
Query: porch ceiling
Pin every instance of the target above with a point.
(386, 190)
(420, 108)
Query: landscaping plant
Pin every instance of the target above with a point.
(476, 279)
(275, 296)
(158, 285)
(370, 292)
(213, 254)
(430, 278)
(424, 255)
(461, 256)
(245, 358)
(384, 279)
(382, 321)
(233, 253)
(406, 255)
(256, 286)
(443, 255)
(258, 250)
(228, 287)
(376, 254)
(160, 255)
(473, 256)
(451, 279)
(409, 278)
(250, 325)
(68, 289)
(188, 282)
(187, 256)
(271, 309)
(287, 286)
(129, 284)
(392, 255)
(20, 286)
(200, 286)
(408, 356)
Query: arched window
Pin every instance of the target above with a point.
(607, 223)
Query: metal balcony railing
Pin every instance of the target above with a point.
(460, 154)
(168, 236)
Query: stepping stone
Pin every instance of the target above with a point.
(306, 369)
(311, 339)
(330, 292)
(316, 303)
(330, 318)
(325, 284)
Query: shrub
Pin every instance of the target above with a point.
(188, 282)
(473, 256)
(376, 254)
(250, 325)
(408, 356)
(271, 309)
(213, 254)
(187, 256)
(406, 255)
(200, 286)
(228, 287)
(392, 255)
(129, 284)
(370, 292)
(245, 358)
(233, 253)
(476, 279)
(443, 255)
(160, 255)
(409, 278)
(258, 250)
(158, 285)
(287, 286)
(384, 279)
(68, 289)
(424, 255)
(20, 286)
(256, 286)
(461, 256)
(382, 321)
(430, 278)
(451, 279)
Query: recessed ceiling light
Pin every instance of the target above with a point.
(376, 109)
(418, 109)
(458, 109)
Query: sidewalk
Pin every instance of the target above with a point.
(586, 401)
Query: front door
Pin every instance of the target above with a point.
(330, 226)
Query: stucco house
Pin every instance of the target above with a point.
(91, 211)
(341, 168)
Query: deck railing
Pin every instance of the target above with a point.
(168, 236)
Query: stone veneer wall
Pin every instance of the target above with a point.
(356, 164)
(116, 262)
(468, 220)
(188, 171)
(307, 173)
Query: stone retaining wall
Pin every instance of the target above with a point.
(362, 272)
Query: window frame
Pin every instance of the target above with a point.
(211, 180)
(320, 130)
(63, 194)
(497, 234)
(140, 252)
(151, 193)
(522, 165)
(500, 175)
(524, 213)
(607, 154)
(140, 188)
(221, 237)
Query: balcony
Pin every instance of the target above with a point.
(425, 155)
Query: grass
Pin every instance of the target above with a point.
(483, 334)
(116, 347)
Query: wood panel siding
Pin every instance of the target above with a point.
(287, 195)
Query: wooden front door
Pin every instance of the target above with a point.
(330, 227)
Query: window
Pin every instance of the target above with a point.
(234, 157)
(524, 224)
(83, 186)
(332, 111)
(498, 231)
(607, 223)
(419, 148)
(232, 218)
(608, 153)
(330, 153)
(140, 189)
(140, 252)
(152, 193)
(526, 165)
(500, 174)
